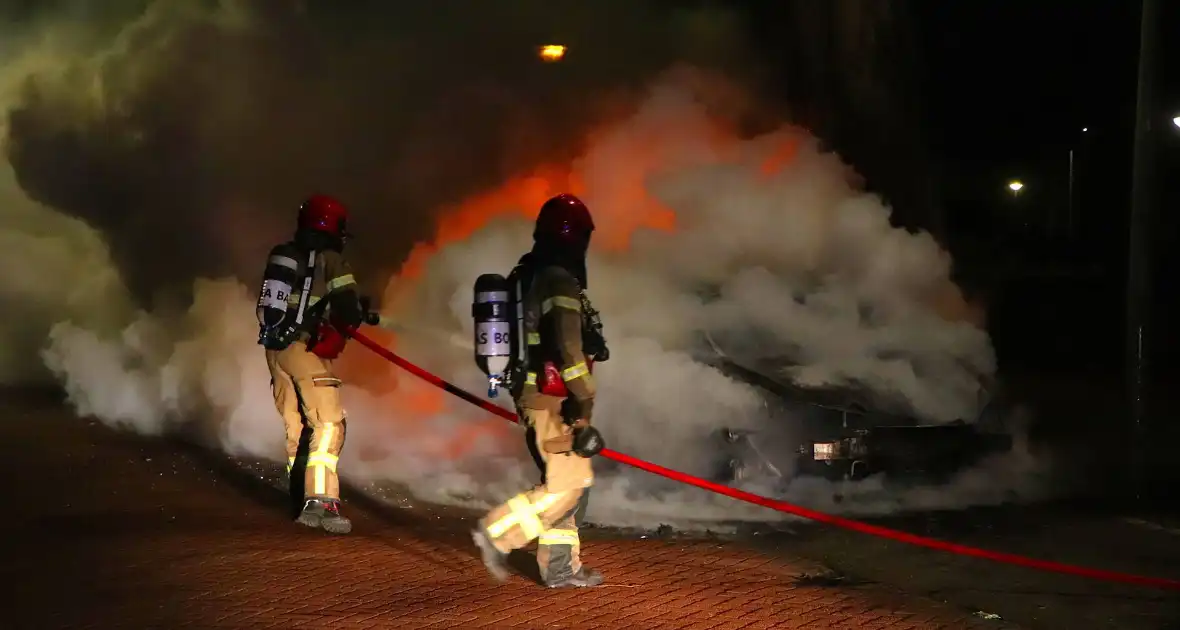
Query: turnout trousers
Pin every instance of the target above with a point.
(305, 388)
(551, 512)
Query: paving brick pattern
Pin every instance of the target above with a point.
(122, 532)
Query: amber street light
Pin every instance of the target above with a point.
(552, 52)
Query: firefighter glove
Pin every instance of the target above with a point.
(347, 311)
(588, 441)
(368, 315)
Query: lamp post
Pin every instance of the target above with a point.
(1069, 222)
(1069, 209)
(1138, 263)
(1076, 150)
(1014, 187)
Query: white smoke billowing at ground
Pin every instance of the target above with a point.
(798, 264)
(783, 261)
(37, 243)
(782, 265)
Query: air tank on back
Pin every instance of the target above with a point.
(493, 328)
(279, 280)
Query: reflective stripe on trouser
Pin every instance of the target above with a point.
(305, 388)
(549, 512)
(558, 548)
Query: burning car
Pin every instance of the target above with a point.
(846, 433)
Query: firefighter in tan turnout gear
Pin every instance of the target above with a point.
(307, 305)
(555, 398)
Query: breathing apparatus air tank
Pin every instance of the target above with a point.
(278, 318)
(493, 328)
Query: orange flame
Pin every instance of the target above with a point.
(364, 369)
(783, 156)
(521, 196)
(622, 206)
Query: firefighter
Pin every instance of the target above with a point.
(304, 386)
(556, 404)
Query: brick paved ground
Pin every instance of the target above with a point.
(1036, 600)
(112, 531)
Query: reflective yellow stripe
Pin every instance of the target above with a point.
(320, 458)
(534, 339)
(341, 281)
(290, 464)
(293, 300)
(524, 514)
(497, 529)
(326, 460)
(530, 378)
(560, 301)
(546, 502)
(558, 537)
(577, 370)
(528, 521)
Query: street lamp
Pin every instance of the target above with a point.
(1015, 186)
(1176, 121)
(552, 52)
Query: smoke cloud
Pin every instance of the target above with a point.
(156, 151)
(57, 267)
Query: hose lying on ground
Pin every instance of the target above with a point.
(783, 506)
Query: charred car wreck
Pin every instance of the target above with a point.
(848, 434)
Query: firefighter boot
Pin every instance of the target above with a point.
(324, 514)
(494, 559)
(583, 578)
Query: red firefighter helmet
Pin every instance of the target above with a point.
(565, 220)
(322, 213)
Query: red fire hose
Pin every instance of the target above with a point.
(788, 508)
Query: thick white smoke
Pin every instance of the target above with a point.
(766, 244)
(56, 267)
(793, 262)
(37, 244)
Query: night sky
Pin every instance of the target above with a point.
(1008, 88)
(1003, 91)
(969, 95)
(1005, 77)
